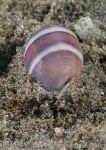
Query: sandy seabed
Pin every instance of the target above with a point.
(28, 114)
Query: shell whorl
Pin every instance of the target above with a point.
(50, 46)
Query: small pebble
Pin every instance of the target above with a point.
(85, 27)
(58, 132)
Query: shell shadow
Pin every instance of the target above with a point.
(5, 58)
(65, 115)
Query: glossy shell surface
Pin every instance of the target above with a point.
(53, 56)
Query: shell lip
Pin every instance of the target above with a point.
(55, 89)
(38, 35)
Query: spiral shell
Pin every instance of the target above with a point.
(53, 56)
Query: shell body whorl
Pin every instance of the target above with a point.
(53, 56)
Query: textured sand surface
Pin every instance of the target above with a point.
(28, 115)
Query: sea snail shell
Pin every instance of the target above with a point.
(53, 56)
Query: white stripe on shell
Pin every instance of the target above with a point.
(58, 47)
(46, 31)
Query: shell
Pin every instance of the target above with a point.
(53, 56)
